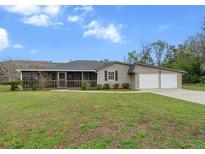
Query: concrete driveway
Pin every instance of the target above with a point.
(187, 95)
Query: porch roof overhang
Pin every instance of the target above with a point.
(52, 70)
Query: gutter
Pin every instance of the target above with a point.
(52, 70)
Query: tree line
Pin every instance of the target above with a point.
(188, 56)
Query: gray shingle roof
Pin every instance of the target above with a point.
(110, 63)
(77, 65)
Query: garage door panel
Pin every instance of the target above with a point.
(168, 80)
(148, 81)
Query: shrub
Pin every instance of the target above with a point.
(116, 86)
(106, 86)
(126, 85)
(85, 85)
(43, 80)
(191, 79)
(98, 87)
(15, 85)
(34, 88)
(4, 83)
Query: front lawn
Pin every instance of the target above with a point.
(36, 119)
(195, 86)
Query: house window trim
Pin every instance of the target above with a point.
(108, 75)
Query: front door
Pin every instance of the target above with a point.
(62, 79)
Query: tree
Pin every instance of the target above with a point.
(8, 70)
(159, 48)
(145, 55)
(132, 57)
(170, 56)
(105, 61)
(203, 25)
(184, 60)
(195, 46)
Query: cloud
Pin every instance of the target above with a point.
(18, 46)
(85, 8)
(97, 30)
(52, 10)
(38, 20)
(4, 41)
(78, 18)
(23, 9)
(37, 15)
(74, 18)
(34, 51)
(162, 28)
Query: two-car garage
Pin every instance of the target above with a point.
(152, 77)
(141, 76)
(157, 80)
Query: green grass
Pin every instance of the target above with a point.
(195, 86)
(4, 88)
(43, 119)
(90, 126)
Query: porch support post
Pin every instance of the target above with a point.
(82, 76)
(21, 78)
(66, 85)
(159, 79)
(57, 79)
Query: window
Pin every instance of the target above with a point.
(111, 75)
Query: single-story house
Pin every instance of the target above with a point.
(72, 74)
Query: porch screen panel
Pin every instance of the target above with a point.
(92, 76)
(52, 75)
(29, 76)
(74, 76)
(86, 75)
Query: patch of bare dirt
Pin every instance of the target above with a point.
(2, 146)
(77, 136)
(50, 133)
(145, 125)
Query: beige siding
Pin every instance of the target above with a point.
(144, 69)
(123, 76)
(133, 79)
(179, 80)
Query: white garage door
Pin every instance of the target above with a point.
(147, 81)
(168, 80)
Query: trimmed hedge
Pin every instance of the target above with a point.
(106, 86)
(116, 86)
(125, 85)
(98, 87)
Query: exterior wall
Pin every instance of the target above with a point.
(133, 81)
(123, 76)
(179, 80)
(144, 69)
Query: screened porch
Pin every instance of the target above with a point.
(59, 79)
